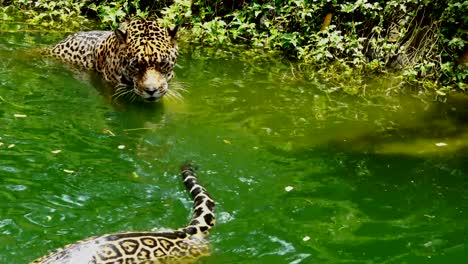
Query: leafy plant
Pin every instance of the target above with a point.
(114, 12)
(50, 14)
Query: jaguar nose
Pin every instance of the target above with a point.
(150, 91)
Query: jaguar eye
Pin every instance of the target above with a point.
(164, 67)
(133, 65)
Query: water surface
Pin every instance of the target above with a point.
(299, 175)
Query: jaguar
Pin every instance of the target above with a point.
(137, 58)
(184, 245)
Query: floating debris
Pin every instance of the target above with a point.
(121, 147)
(56, 151)
(1, 144)
(428, 244)
(68, 171)
(441, 144)
(288, 188)
(20, 115)
(267, 130)
(306, 238)
(11, 146)
(135, 175)
(107, 131)
(226, 141)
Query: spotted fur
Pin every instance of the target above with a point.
(183, 245)
(138, 58)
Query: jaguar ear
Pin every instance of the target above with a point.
(121, 36)
(173, 32)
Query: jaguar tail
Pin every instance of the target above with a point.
(203, 218)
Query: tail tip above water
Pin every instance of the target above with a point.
(188, 167)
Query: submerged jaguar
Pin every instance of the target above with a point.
(137, 58)
(183, 245)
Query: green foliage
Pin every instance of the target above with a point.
(113, 13)
(50, 14)
(176, 14)
(422, 39)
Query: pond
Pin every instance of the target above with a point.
(300, 175)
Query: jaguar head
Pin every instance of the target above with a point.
(149, 55)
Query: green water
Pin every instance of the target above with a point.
(381, 180)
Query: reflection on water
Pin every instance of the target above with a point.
(299, 175)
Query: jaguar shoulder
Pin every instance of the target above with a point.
(183, 245)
